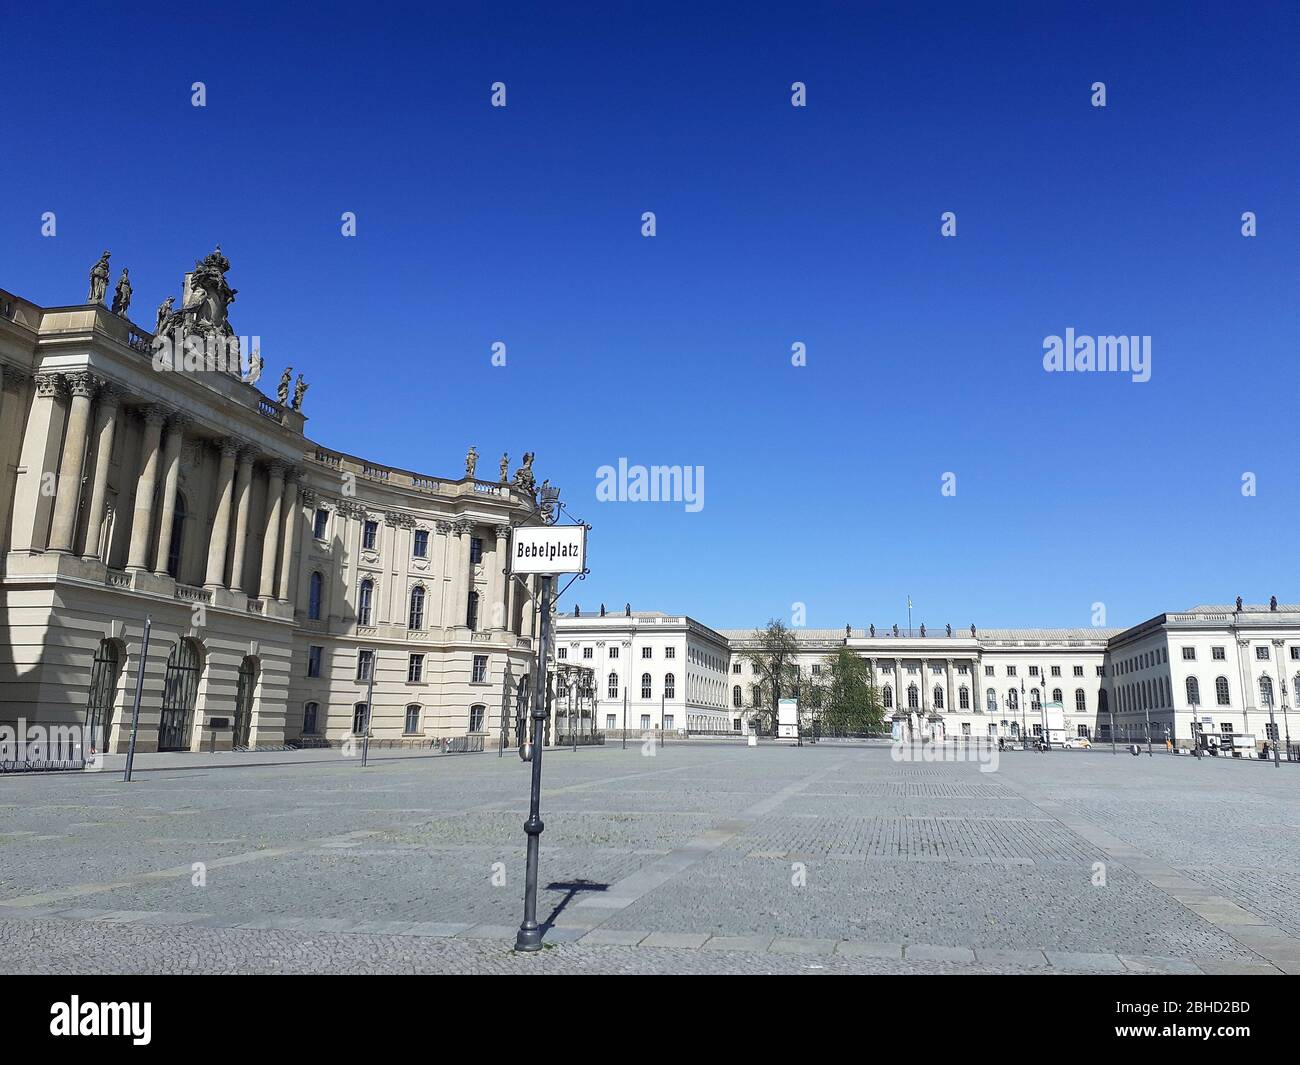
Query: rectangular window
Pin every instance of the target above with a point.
(965, 728)
(415, 669)
(1033, 671)
(365, 661)
(480, 669)
(1217, 654)
(476, 714)
(1078, 671)
(309, 718)
(1295, 653)
(359, 716)
(645, 722)
(1056, 671)
(1011, 671)
(588, 652)
(816, 671)
(313, 661)
(668, 721)
(369, 535)
(1189, 654)
(420, 547)
(321, 525)
(1101, 671)
(988, 671)
(670, 652)
(412, 720)
(647, 652)
(735, 667)
(561, 652)
(609, 722)
(1261, 651)
(475, 550)
(613, 652)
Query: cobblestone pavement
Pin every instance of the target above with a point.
(706, 857)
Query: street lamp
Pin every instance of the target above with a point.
(1285, 723)
(1266, 682)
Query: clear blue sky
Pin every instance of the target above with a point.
(775, 225)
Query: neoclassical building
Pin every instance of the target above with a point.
(1227, 673)
(278, 574)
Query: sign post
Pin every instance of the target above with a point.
(139, 690)
(545, 550)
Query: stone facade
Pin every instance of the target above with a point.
(270, 566)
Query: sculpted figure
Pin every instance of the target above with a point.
(164, 312)
(471, 462)
(122, 295)
(505, 467)
(873, 631)
(299, 390)
(282, 392)
(99, 280)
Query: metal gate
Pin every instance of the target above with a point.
(244, 702)
(103, 689)
(180, 689)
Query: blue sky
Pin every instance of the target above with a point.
(775, 224)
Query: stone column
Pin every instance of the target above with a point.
(216, 572)
(500, 580)
(172, 477)
(900, 702)
(464, 579)
(142, 514)
(291, 517)
(952, 705)
(243, 497)
(271, 537)
(81, 386)
(109, 399)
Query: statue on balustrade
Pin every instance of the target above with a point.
(299, 390)
(524, 479)
(873, 631)
(122, 295)
(164, 312)
(255, 363)
(505, 467)
(282, 390)
(471, 462)
(99, 280)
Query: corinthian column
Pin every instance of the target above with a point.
(109, 398)
(216, 572)
(142, 514)
(500, 614)
(462, 571)
(271, 536)
(171, 479)
(243, 494)
(289, 514)
(62, 531)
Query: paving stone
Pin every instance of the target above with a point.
(1158, 965)
(789, 945)
(681, 940)
(738, 943)
(1020, 959)
(1075, 960)
(849, 949)
(607, 937)
(925, 952)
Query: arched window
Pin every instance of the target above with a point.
(645, 686)
(736, 696)
(316, 585)
(180, 689)
(310, 713)
(670, 686)
(963, 697)
(1221, 691)
(412, 724)
(938, 697)
(244, 701)
(1035, 699)
(991, 701)
(912, 696)
(471, 613)
(178, 532)
(1057, 696)
(1193, 691)
(416, 619)
(103, 694)
(1013, 699)
(1080, 701)
(364, 601)
(1266, 690)
(613, 685)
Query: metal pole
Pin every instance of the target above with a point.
(1273, 723)
(663, 732)
(1113, 748)
(573, 725)
(1147, 708)
(530, 933)
(139, 690)
(370, 706)
(625, 717)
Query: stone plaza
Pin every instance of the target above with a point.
(695, 857)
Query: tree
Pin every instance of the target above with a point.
(776, 674)
(845, 695)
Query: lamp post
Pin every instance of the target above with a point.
(139, 690)
(1272, 721)
(1146, 709)
(1111, 711)
(1285, 723)
(370, 698)
(536, 554)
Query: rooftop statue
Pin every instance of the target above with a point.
(471, 462)
(122, 295)
(164, 312)
(524, 478)
(299, 390)
(282, 390)
(99, 279)
(505, 467)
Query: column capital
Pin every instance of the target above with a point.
(12, 376)
(247, 454)
(230, 446)
(177, 421)
(153, 414)
(462, 526)
(276, 468)
(306, 495)
(503, 532)
(443, 527)
(292, 474)
(48, 385)
(110, 395)
(82, 384)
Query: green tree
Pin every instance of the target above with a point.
(844, 695)
(776, 676)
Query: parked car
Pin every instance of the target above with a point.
(1080, 742)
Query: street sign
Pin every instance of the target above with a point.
(548, 549)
